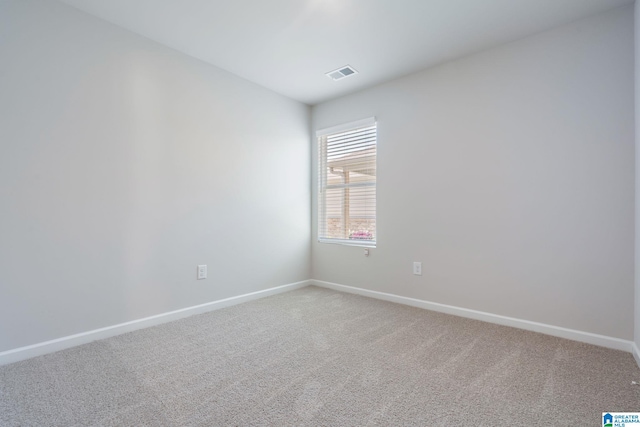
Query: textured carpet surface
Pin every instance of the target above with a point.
(322, 358)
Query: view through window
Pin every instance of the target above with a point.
(347, 183)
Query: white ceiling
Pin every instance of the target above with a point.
(288, 45)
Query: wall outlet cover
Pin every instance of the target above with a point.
(417, 268)
(202, 272)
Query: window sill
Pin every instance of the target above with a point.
(350, 242)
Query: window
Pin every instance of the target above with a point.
(347, 183)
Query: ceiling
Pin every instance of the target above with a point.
(288, 45)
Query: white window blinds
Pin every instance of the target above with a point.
(347, 183)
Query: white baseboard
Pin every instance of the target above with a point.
(636, 353)
(571, 334)
(46, 347)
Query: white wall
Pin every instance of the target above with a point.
(510, 175)
(637, 147)
(123, 165)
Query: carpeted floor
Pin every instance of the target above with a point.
(323, 358)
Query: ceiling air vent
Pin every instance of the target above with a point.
(342, 72)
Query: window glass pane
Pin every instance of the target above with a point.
(347, 181)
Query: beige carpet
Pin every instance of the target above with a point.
(321, 358)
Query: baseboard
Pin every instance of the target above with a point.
(636, 353)
(46, 347)
(27, 352)
(571, 334)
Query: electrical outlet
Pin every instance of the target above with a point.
(202, 272)
(417, 268)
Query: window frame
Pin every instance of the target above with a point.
(323, 184)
